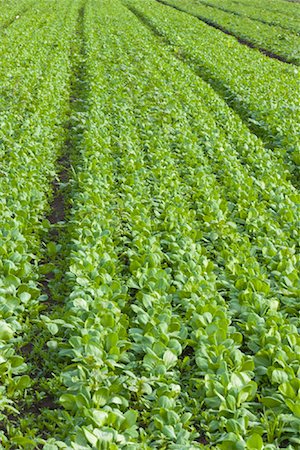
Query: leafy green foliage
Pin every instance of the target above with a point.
(34, 76)
(175, 321)
(280, 14)
(282, 42)
(261, 90)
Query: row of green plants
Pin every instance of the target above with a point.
(289, 9)
(179, 329)
(11, 11)
(179, 253)
(260, 89)
(286, 19)
(33, 101)
(283, 43)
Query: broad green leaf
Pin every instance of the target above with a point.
(279, 376)
(6, 332)
(169, 359)
(255, 442)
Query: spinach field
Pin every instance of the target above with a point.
(150, 224)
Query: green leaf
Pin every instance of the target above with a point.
(100, 417)
(6, 332)
(247, 393)
(287, 390)
(271, 402)
(25, 297)
(12, 280)
(169, 359)
(52, 345)
(255, 442)
(51, 248)
(23, 382)
(68, 401)
(131, 417)
(24, 441)
(91, 438)
(101, 396)
(52, 328)
(279, 376)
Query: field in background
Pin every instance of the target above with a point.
(150, 224)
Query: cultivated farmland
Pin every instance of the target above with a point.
(150, 224)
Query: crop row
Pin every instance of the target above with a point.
(11, 11)
(283, 43)
(261, 90)
(179, 250)
(34, 103)
(181, 253)
(257, 13)
(279, 6)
